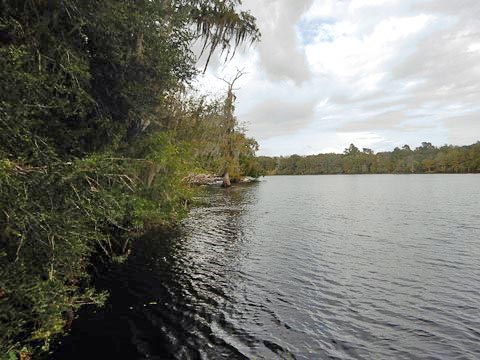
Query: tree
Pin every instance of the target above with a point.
(351, 150)
(231, 153)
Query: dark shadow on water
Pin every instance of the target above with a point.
(156, 308)
(113, 331)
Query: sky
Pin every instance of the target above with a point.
(376, 73)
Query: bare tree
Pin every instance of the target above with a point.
(230, 154)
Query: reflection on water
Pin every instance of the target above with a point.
(310, 267)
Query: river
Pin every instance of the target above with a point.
(301, 267)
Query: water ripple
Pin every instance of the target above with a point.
(303, 268)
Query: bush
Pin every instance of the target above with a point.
(53, 218)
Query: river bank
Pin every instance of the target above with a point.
(213, 180)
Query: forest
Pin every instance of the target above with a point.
(99, 127)
(425, 159)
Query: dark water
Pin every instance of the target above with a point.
(314, 267)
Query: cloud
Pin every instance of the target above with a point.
(463, 129)
(281, 54)
(276, 116)
(378, 73)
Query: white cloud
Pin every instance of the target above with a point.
(474, 47)
(363, 60)
(281, 54)
(378, 73)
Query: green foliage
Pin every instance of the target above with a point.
(55, 217)
(80, 76)
(51, 222)
(424, 159)
(164, 196)
(201, 125)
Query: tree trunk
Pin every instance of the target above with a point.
(226, 180)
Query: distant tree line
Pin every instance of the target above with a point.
(424, 159)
